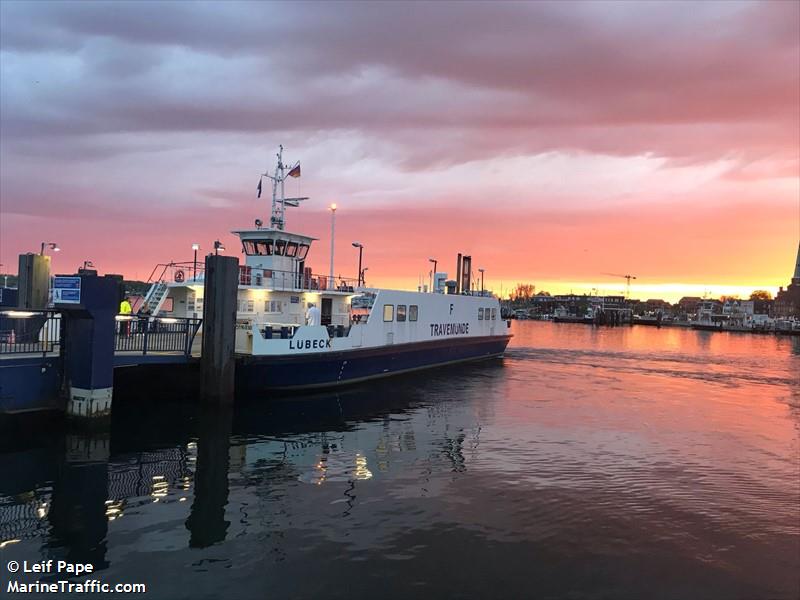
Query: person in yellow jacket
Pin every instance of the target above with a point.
(125, 308)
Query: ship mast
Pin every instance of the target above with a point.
(279, 200)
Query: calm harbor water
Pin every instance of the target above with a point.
(588, 463)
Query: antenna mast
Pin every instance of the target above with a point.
(280, 201)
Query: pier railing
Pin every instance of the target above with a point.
(30, 331)
(155, 334)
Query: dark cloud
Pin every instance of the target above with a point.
(533, 64)
(420, 85)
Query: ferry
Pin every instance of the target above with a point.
(300, 330)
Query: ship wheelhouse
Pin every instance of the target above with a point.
(277, 259)
(276, 286)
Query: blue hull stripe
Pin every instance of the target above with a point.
(337, 368)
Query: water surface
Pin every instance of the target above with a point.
(588, 463)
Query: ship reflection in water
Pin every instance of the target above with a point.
(588, 463)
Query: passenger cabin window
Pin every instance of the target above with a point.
(480, 314)
(272, 306)
(245, 305)
(302, 250)
(413, 312)
(280, 247)
(401, 313)
(388, 313)
(291, 249)
(494, 314)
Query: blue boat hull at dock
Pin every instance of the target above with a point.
(328, 369)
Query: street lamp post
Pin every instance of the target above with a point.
(360, 247)
(481, 272)
(333, 232)
(195, 247)
(52, 245)
(433, 273)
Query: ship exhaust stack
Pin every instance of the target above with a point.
(458, 274)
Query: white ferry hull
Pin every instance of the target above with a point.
(329, 369)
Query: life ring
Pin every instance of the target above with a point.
(179, 276)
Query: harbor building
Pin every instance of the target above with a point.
(787, 302)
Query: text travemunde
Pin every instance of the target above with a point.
(438, 329)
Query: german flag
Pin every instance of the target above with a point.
(295, 172)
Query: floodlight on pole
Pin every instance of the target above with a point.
(360, 247)
(333, 234)
(195, 247)
(51, 245)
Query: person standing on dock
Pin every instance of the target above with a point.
(126, 309)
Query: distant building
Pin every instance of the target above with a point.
(689, 304)
(787, 302)
(656, 305)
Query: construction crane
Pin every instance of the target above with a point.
(627, 278)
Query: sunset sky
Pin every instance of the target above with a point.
(554, 142)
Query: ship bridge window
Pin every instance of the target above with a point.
(413, 312)
(280, 247)
(257, 247)
(401, 313)
(480, 314)
(388, 313)
(302, 250)
(291, 249)
(494, 314)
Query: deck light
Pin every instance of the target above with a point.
(360, 247)
(218, 247)
(433, 273)
(195, 247)
(333, 233)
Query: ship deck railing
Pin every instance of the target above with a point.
(189, 272)
(273, 279)
(284, 331)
